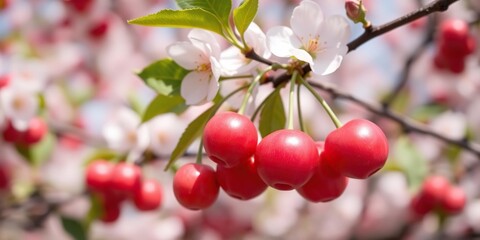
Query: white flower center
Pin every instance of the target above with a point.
(204, 67)
(18, 103)
(312, 45)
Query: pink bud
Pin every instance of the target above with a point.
(355, 11)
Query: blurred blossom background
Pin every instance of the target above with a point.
(75, 64)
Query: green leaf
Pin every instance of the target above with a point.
(273, 116)
(95, 211)
(412, 163)
(39, 152)
(74, 228)
(219, 8)
(187, 18)
(164, 76)
(192, 132)
(164, 104)
(244, 15)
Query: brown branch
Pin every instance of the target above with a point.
(408, 124)
(370, 33)
(374, 31)
(405, 74)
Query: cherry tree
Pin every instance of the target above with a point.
(226, 119)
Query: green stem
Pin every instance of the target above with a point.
(252, 86)
(324, 104)
(200, 152)
(224, 78)
(254, 115)
(290, 100)
(299, 109)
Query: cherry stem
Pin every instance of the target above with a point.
(224, 78)
(299, 109)
(290, 100)
(252, 86)
(324, 104)
(200, 152)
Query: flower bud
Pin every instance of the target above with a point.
(356, 11)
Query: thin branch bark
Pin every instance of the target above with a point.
(374, 31)
(408, 124)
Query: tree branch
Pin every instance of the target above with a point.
(374, 31)
(408, 124)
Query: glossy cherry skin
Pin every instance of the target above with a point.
(98, 175)
(241, 181)
(10, 134)
(195, 186)
(126, 178)
(286, 159)
(4, 81)
(454, 38)
(111, 204)
(37, 128)
(453, 200)
(149, 196)
(325, 185)
(229, 137)
(433, 189)
(358, 149)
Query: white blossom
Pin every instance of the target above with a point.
(200, 55)
(312, 38)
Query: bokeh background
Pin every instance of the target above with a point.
(82, 57)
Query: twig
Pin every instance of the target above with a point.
(408, 124)
(405, 75)
(374, 31)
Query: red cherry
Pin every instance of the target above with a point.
(433, 189)
(454, 31)
(98, 175)
(111, 204)
(4, 81)
(229, 138)
(419, 207)
(126, 178)
(242, 181)
(37, 128)
(286, 159)
(358, 149)
(10, 134)
(99, 29)
(325, 185)
(195, 186)
(453, 200)
(148, 196)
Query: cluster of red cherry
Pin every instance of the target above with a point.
(114, 183)
(454, 44)
(285, 160)
(438, 194)
(34, 133)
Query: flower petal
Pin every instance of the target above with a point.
(281, 41)
(328, 60)
(335, 32)
(257, 40)
(303, 55)
(213, 88)
(306, 21)
(205, 41)
(195, 87)
(187, 55)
